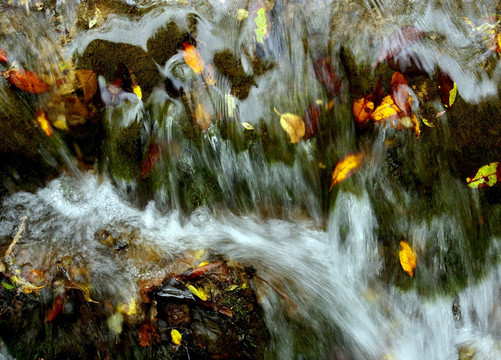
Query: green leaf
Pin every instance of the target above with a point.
(7, 286)
(486, 176)
(262, 26)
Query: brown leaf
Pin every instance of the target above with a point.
(400, 92)
(397, 41)
(3, 55)
(447, 89)
(327, 76)
(152, 156)
(311, 119)
(362, 110)
(44, 122)
(202, 117)
(88, 82)
(55, 310)
(147, 334)
(27, 81)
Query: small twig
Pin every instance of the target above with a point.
(16, 238)
(278, 292)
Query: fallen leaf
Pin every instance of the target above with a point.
(209, 75)
(202, 117)
(427, 123)
(400, 92)
(325, 73)
(27, 81)
(262, 25)
(311, 119)
(88, 83)
(44, 122)
(193, 58)
(7, 286)
(199, 271)
(407, 258)
(3, 55)
(346, 167)
(242, 14)
(487, 176)
(362, 110)
(147, 334)
(137, 90)
(230, 103)
(397, 41)
(293, 126)
(247, 126)
(128, 309)
(387, 111)
(232, 287)
(55, 310)
(176, 337)
(198, 293)
(152, 157)
(60, 123)
(447, 89)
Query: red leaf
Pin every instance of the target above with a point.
(195, 273)
(3, 55)
(326, 74)
(397, 41)
(27, 81)
(311, 119)
(55, 310)
(152, 157)
(445, 85)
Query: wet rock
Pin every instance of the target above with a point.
(227, 64)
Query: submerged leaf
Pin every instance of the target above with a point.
(262, 25)
(326, 74)
(55, 310)
(193, 58)
(311, 119)
(346, 167)
(487, 176)
(202, 117)
(3, 55)
(407, 258)
(293, 126)
(400, 92)
(152, 157)
(386, 111)
(176, 337)
(27, 81)
(447, 89)
(362, 110)
(88, 82)
(247, 126)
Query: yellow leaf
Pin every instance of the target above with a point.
(262, 25)
(198, 293)
(128, 309)
(293, 126)
(202, 117)
(487, 176)
(209, 75)
(386, 111)
(199, 254)
(362, 109)
(452, 94)
(346, 167)
(232, 287)
(242, 14)
(115, 322)
(60, 123)
(137, 90)
(230, 103)
(427, 123)
(176, 337)
(244, 286)
(203, 263)
(44, 123)
(247, 126)
(407, 258)
(193, 58)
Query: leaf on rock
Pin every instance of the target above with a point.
(27, 81)
(202, 117)
(261, 25)
(176, 337)
(199, 293)
(346, 167)
(88, 82)
(399, 40)
(311, 119)
(387, 111)
(3, 55)
(152, 157)
(44, 122)
(447, 89)
(407, 258)
(362, 110)
(193, 58)
(293, 126)
(487, 176)
(400, 92)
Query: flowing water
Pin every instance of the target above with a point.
(264, 202)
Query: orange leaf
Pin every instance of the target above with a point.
(407, 258)
(88, 82)
(192, 58)
(44, 122)
(400, 92)
(3, 55)
(346, 167)
(387, 111)
(362, 110)
(27, 81)
(55, 310)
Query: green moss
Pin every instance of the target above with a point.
(226, 64)
(166, 42)
(123, 148)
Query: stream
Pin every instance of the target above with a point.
(202, 162)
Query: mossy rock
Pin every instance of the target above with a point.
(166, 42)
(227, 64)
